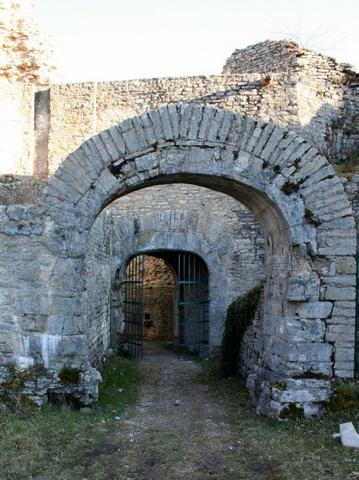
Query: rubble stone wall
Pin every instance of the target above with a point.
(78, 111)
(98, 285)
(159, 297)
(278, 82)
(16, 128)
(25, 53)
(327, 92)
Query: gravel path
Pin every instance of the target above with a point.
(178, 429)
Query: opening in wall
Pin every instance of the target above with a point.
(164, 298)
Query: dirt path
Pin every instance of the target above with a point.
(181, 428)
(178, 429)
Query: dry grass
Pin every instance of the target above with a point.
(45, 444)
(62, 444)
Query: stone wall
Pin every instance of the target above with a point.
(16, 128)
(187, 217)
(81, 110)
(23, 265)
(327, 97)
(173, 217)
(98, 285)
(275, 81)
(25, 65)
(323, 110)
(230, 227)
(159, 297)
(25, 53)
(20, 190)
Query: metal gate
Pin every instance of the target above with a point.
(132, 336)
(191, 298)
(192, 304)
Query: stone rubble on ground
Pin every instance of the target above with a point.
(348, 435)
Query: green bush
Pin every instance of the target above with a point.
(240, 315)
(68, 374)
(345, 395)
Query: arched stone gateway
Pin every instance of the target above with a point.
(293, 192)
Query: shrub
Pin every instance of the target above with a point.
(70, 375)
(240, 315)
(346, 396)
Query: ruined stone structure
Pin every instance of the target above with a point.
(25, 66)
(25, 55)
(229, 167)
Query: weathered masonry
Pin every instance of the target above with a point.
(280, 177)
(278, 82)
(228, 171)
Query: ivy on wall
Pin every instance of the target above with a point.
(240, 315)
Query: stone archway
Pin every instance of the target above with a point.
(178, 230)
(281, 178)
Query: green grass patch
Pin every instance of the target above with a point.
(44, 444)
(346, 170)
(292, 449)
(346, 396)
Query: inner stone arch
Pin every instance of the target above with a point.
(175, 217)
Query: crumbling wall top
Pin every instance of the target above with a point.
(25, 53)
(278, 56)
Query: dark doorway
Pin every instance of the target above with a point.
(165, 299)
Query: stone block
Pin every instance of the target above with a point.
(72, 345)
(302, 368)
(304, 330)
(310, 352)
(340, 293)
(314, 310)
(344, 309)
(345, 373)
(346, 265)
(226, 126)
(343, 320)
(297, 290)
(302, 396)
(65, 325)
(341, 280)
(348, 366)
(341, 330)
(344, 354)
(146, 162)
(132, 141)
(348, 435)
(115, 134)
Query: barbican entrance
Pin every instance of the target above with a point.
(309, 238)
(163, 297)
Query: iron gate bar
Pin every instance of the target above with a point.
(132, 336)
(192, 286)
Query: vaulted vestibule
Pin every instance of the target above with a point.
(286, 184)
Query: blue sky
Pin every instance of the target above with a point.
(121, 39)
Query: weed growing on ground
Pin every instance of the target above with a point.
(301, 449)
(44, 444)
